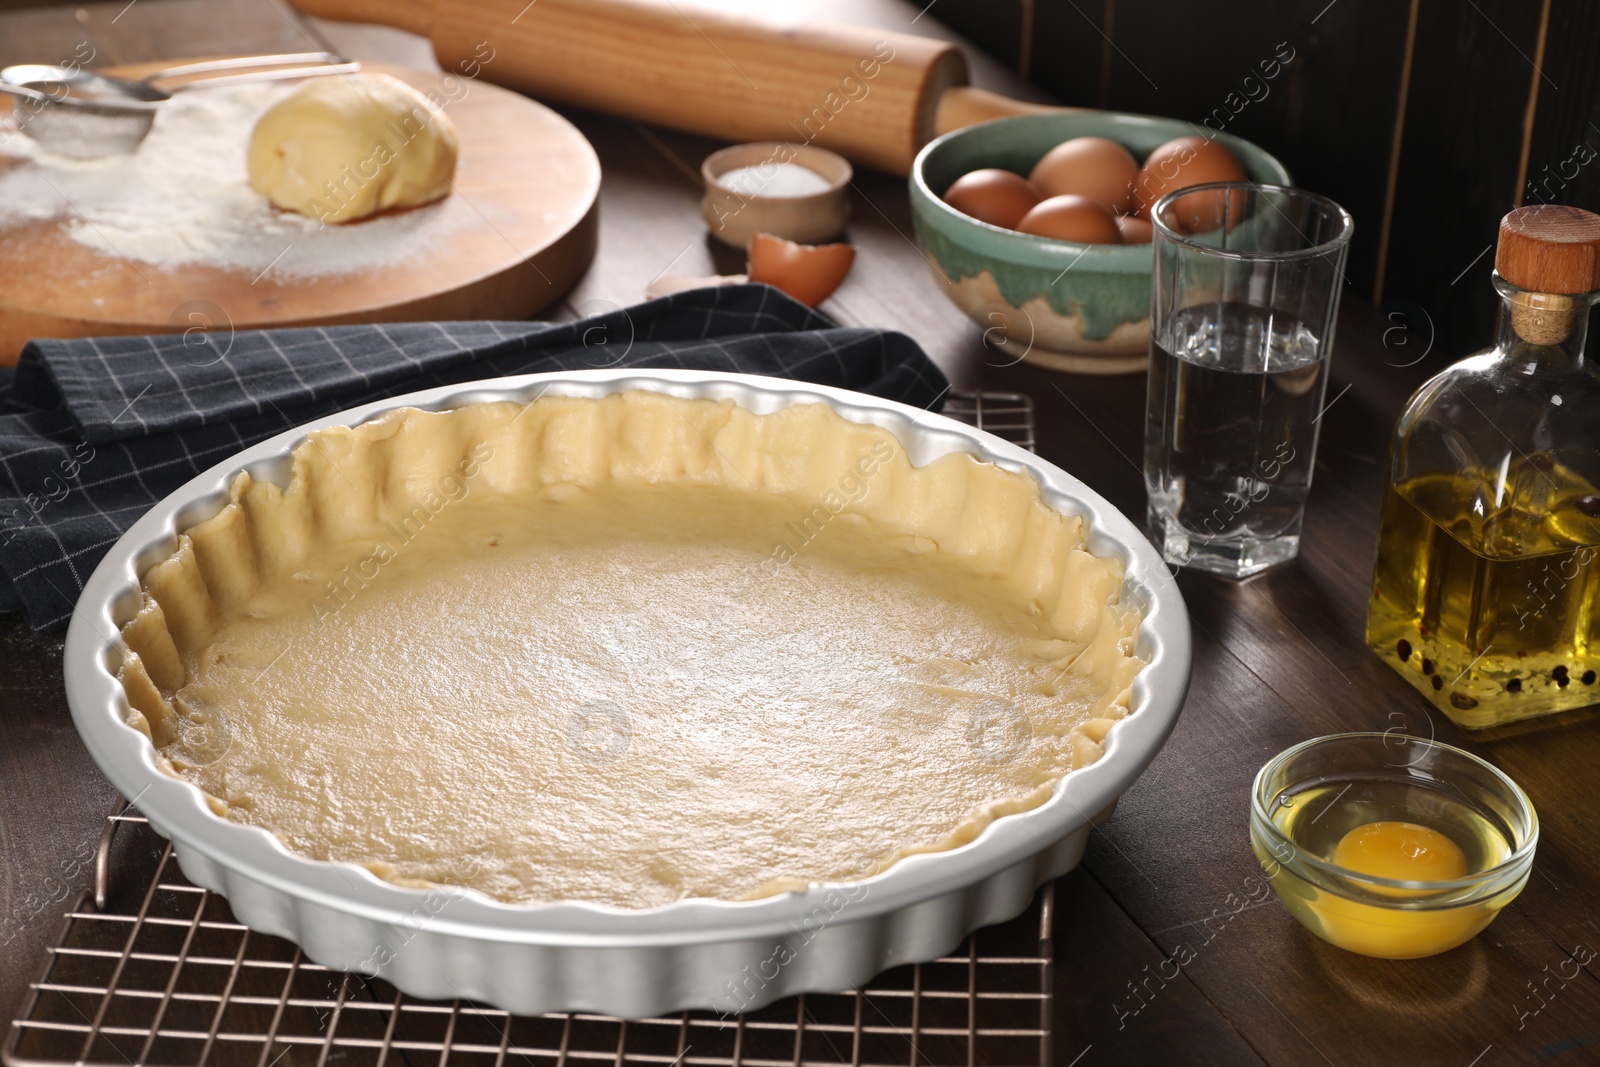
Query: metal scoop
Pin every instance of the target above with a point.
(85, 115)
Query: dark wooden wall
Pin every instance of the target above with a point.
(1427, 119)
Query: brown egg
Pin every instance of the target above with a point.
(1096, 167)
(1184, 162)
(1134, 230)
(1072, 218)
(995, 196)
(809, 273)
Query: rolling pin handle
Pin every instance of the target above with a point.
(415, 16)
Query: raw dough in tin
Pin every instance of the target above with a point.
(629, 650)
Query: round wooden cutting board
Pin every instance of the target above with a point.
(524, 230)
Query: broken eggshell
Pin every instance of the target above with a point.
(809, 273)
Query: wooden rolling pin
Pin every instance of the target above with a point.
(873, 96)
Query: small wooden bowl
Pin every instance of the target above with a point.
(733, 216)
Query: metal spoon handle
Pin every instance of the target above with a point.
(270, 76)
(24, 92)
(300, 64)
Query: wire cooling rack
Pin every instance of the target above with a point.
(1007, 415)
(150, 969)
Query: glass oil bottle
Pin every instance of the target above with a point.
(1486, 589)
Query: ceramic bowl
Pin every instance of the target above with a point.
(1073, 307)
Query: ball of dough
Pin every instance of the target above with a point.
(343, 147)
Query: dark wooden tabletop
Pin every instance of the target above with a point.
(1276, 660)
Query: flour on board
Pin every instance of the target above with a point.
(184, 198)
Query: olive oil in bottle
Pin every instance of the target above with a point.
(1486, 589)
(1491, 635)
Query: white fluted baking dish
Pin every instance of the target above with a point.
(720, 955)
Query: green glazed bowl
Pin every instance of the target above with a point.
(1073, 307)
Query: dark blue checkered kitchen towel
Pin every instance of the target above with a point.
(93, 432)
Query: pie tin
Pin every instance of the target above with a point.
(724, 956)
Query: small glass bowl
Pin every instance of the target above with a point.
(1390, 918)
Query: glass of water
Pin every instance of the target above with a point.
(1243, 301)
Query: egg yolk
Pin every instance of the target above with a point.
(1400, 929)
(1404, 851)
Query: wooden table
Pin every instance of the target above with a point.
(1277, 660)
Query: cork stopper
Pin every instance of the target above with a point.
(1552, 250)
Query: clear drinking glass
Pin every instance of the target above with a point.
(1243, 302)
